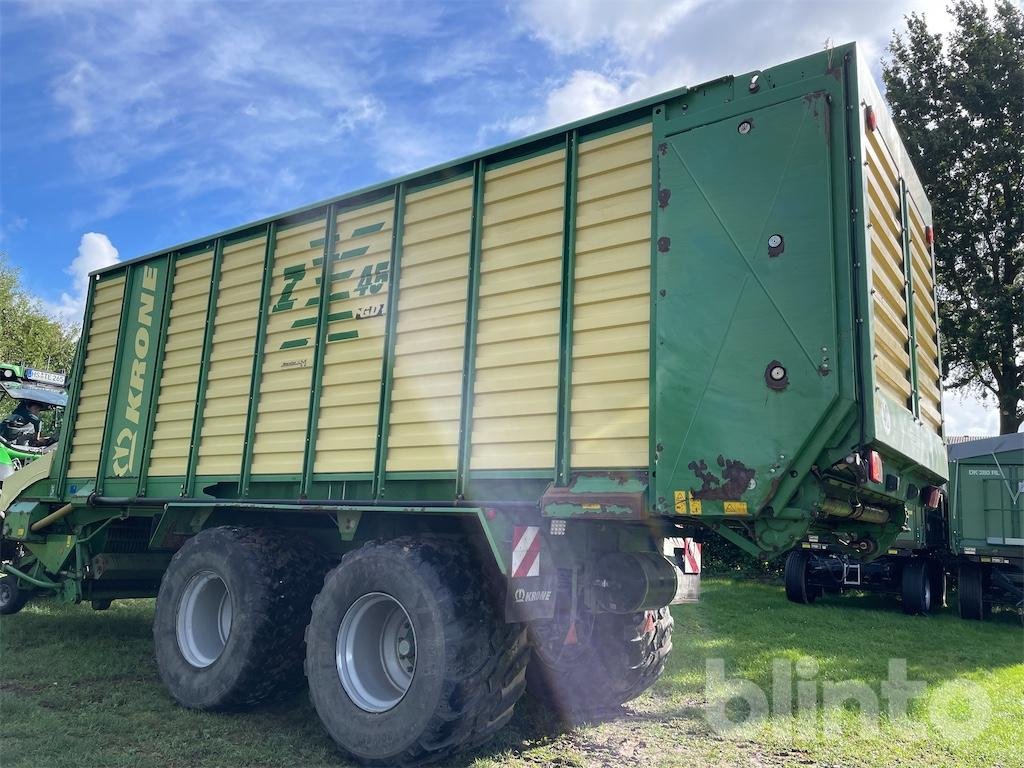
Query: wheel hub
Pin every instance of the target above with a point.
(204, 619)
(376, 652)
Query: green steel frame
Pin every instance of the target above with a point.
(257, 366)
(309, 459)
(908, 294)
(108, 421)
(563, 439)
(469, 350)
(67, 428)
(147, 442)
(391, 325)
(188, 486)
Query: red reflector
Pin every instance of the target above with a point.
(934, 496)
(929, 235)
(875, 467)
(870, 118)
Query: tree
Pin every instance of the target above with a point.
(958, 101)
(28, 335)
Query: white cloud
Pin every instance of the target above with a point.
(149, 92)
(646, 47)
(95, 251)
(584, 93)
(967, 414)
(572, 25)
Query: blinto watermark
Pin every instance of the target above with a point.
(797, 705)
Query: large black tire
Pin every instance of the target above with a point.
(970, 592)
(270, 577)
(12, 596)
(916, 587)
(937, 576)
(469, 668)
(615, 658)
(797, 588)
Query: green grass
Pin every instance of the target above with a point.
(79, 688)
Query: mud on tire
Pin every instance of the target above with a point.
(270, 577)
(469, 666)
(616, 658)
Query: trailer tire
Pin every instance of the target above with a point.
(613, 661)
(230, 616)
(797, 588)
(937, 575)
(916, 587)
(400, 704)
(970, 592)
(12, 596)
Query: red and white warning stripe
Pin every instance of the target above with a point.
(691, 556)
(525, 551)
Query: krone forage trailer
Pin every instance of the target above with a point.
(497, 402)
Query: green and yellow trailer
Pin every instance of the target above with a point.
(460, 434)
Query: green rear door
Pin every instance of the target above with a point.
(745, 305)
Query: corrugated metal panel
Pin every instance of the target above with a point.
(929, 379)
(516, 385)
(611, 302)
(888, 298)
(353, 357)
(97, 374)
(183, 352)
(282, 416)
(231, 358)
(426, 390)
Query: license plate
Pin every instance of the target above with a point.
(45, 376)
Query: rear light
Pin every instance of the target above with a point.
(929, 236)
(875, 467)
(933, 495)
(870, 118)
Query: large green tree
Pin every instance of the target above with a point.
(28, 334)
(958, 100)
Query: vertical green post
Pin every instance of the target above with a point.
(391, 328)
(115, 376)
(204, 370)
(67, 428)
(938, 331)
(908, 293)
(658, 115)
(171, 264)
(257, 365)
(469, 348)
(309, 457)
(563, 444)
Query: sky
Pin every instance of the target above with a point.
(129, 127)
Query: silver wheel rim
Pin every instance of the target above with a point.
(204, 619)
(376, 652)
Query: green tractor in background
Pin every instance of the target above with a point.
(32, 403)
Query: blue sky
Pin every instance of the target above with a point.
(128, 127)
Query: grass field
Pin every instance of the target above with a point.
(80, 688)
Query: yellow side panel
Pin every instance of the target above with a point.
(231, 358)
(426, 389)
(346, 438)
(885, 247)
(611, 302)
(516, 384)
(281, 419)
(96, 378)
(929, 380)
(183, 353)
